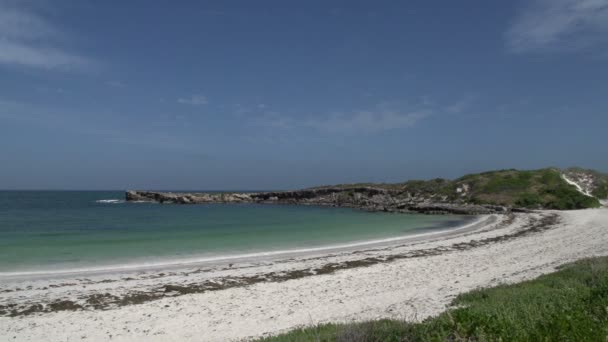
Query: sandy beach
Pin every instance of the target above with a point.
(242, 299)
(373, 171)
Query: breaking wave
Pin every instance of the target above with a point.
(110, 201)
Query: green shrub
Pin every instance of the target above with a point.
(566, 197)
(529, 200)
(509, 182)
(601, 191)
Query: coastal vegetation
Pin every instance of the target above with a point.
(536, 189)
(568, 305)
(532, 189)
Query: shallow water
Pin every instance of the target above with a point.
(68, 230)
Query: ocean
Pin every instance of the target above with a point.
(58, 231)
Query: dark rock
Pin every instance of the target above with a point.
(365, 198)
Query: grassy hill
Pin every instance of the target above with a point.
(568, 305)
(533, 189)
(544, 188)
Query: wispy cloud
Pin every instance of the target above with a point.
(379, 118)
(27, 39)
(368, 121)
(195, 100)
(382, 117)
(16, 53)
(461, 105)
(559, 25)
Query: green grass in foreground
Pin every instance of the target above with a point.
(568, 305)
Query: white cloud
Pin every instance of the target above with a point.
(461, 105)
(195, 100)
(368, 121)
(382, 117)
(26, 39)
(21, 24)
(276, 120)
(559, 25)
(16, 53)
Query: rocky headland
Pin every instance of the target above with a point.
(366, 198)
(484, 193)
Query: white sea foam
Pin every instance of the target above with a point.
(111, 201)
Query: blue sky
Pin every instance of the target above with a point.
(287, 94)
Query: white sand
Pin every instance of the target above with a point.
(577, 186)
(409, 288)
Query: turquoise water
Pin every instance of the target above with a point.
(68, 230)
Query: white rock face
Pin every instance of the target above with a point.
(463, 190)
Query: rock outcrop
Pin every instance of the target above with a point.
(366, 198)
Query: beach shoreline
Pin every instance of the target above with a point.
(240, 299)
(225, 259)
